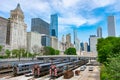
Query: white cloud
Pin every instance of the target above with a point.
(68, 10)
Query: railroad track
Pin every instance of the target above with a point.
(7, 75)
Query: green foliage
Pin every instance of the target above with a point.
(49, 51)
(30, 54)
(3, 56)
(1, 48)
(15, 52)
(57, 52)
(109, 54)
(111, 71)
(107, 47)
(8, 53)
(103, 73)
(70, 51)
(113, 68)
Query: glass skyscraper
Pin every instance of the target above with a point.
(54, 25)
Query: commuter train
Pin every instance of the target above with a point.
(43, 69)
(23, 68)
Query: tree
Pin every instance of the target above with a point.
(107, 47)
(57, 52)
(8, 52)
(1, 48)
(15, 52)
(70, 51)
(48, 51)
(113, 68)
(109, 55)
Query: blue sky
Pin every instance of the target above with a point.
(83, 15)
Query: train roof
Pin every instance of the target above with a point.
(31, 63)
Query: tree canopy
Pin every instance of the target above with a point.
(8, 52)
(108, 47)
(50, 51)
(70, 51)
(109, 55)
(1, 48)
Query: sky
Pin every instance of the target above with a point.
(83, 15)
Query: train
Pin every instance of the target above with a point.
(23, 68)
(43, 69)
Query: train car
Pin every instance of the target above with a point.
(57, 70)
(23, 68)
(42, 69)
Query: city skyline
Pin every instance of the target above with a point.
(82, 15)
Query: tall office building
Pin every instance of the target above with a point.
(40, 26)
(76, 40)
(99, 32)
(68, 38)
(111, 26)
(86, 46)
(82, 46)
(93, 43)
(54, 25)
(75, 36)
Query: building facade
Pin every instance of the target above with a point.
(45, 40)
(99, 32)
(111, 26)
(33, 42)
(18, 34)
(81, 46)
(3, 31)
(54, 25)
(93, 42)
(54, 42)
(86, 47)
(40, 26)
(13, 33)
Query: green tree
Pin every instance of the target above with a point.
(107, 47)
(109, 55)
(48, 51)
(15, 53)
(1, 48)
(113, 68)
(70, 51)
(8, 53)
(57, 52)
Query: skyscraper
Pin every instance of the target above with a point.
(86, 46)
(40, 26)
(75, 36)
(93, 42)
(111, 26)
(99, 32)
(54, 25)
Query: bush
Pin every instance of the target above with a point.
(70, 51)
